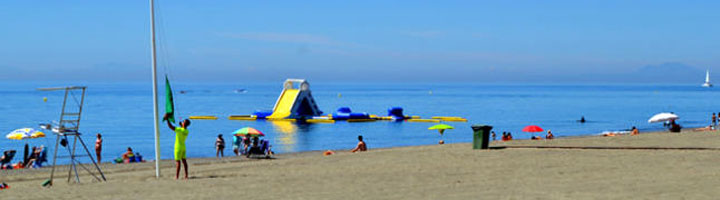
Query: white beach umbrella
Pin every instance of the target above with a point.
(661, 117)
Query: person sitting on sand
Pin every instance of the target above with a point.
(535, 138)
(33, 157)
(361, 146)
(509, 136)
(549, 135)
(220, 146)
(634, 131)
(674, 127)
(504, 136)
(128, 155)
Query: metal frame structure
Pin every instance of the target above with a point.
(68, 126)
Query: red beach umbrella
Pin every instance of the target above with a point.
(532, 128)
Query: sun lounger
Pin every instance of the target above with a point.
(7, 159)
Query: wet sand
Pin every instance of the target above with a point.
(450, 171)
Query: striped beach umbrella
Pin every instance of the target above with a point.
(248, 131)
(24, 133)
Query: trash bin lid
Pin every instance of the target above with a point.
(480, 127)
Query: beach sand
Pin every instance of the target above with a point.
(450, 171)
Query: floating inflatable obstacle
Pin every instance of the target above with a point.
(424, 120)
(295, 102)
(344, 113)
(396, 113)
(361, 120)
(450, 119)
(320, 121)
(242, 117)
(203, 117)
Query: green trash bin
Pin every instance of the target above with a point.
(481, 136)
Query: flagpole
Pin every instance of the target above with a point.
(155, 89)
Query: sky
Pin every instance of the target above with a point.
(407, 41)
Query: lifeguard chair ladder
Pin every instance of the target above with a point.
(68, 126)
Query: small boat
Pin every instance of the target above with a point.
(707, 79)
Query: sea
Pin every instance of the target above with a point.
(122, 112)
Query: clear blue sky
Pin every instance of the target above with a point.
(491, 41)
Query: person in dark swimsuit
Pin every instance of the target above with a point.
(220, 146)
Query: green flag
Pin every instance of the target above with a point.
(169, 106)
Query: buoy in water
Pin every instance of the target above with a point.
(339, 95)
(44, 99)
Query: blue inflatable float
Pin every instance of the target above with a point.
(344, 113)
(396, 113)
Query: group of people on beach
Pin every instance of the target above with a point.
(35, 159)
(507, 136)
(248, 143)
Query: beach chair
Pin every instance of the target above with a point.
(263, 150)
(7, 158)
(41, 159)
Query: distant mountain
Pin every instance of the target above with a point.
(671, 72)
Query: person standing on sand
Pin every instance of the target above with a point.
(246, 143)
(236, 144)
(492, 133)
(181, 134)
(220, 146)
(98, 147)
(361, 146)
(714, 120)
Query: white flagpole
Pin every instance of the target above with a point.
(155, 89)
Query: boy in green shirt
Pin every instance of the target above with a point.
(181, 134)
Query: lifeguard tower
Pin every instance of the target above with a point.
(67, 129)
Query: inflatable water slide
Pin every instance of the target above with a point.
(295, 102)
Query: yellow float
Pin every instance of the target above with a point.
(204, 117)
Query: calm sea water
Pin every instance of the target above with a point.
(122, 112)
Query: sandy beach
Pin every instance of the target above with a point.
(451, 171)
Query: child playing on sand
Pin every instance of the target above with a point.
(361, 146)
(181, 134)
(220, 146)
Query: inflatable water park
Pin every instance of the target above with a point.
(297, 104)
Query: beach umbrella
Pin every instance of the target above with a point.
(248, 131)
(24, 133)
(532, 129)
(661, 117)
(441, 128)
